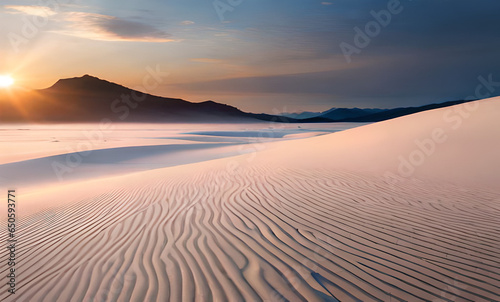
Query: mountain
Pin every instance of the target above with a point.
(90, 99)
(373, 115)
(347, 113)
(301, 115)
(333, 114)
(398, 112)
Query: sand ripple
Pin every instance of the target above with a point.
(263, 234)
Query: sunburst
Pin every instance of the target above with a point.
(6, 81)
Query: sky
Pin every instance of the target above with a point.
(260, 55)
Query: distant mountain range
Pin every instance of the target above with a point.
(363, 115)
(301, 115)
(90, 99)
(334, 113)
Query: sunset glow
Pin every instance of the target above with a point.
(6, 81)
(259, 56)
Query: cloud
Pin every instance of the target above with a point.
(187, 22)
(33, 10)
(401, 80)
(95, 26)
(326, 3)
(109, 28)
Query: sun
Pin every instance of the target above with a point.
(6, 81)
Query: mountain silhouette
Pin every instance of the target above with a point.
(356, 115)
(90, 99)
(348, 113)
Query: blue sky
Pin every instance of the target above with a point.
(263, 56)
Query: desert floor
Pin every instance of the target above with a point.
(403, 210)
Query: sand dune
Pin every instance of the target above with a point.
(459, 144)
(306, 220)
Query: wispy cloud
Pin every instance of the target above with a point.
(32, 10)
(95, 26)
(110, 28)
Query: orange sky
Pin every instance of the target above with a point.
(258, 56)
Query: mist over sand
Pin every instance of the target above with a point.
(306, 214)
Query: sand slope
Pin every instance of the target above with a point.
(459, 144)
(307, 220)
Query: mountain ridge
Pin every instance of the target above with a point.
(91, 99)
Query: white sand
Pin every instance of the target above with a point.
(305, 220)
(34, 155)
